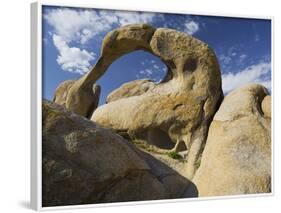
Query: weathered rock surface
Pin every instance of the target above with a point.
(181, 107)
(266, 106)
(90, 97)
(87, 162)
(133, 88)
(62, 92)
(84, 163)
(237, 156)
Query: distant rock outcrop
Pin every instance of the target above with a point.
(237, 156)
(133, 88)
(84, 163)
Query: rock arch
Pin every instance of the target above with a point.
(182, 105)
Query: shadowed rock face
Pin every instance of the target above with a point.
(182, 105)
(237, 156)
(84, 163)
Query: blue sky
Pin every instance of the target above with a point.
(72, 38)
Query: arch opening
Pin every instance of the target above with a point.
(133, 66)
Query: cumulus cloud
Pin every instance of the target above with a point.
(125, 17)
(191, 27)
(72, 59)
(82, 25)
(258, 73)
(77, 27)
(73, 29)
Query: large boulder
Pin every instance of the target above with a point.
(90, 98)
(84, 163)
(133, 88)
(180, 107)
(237, 156)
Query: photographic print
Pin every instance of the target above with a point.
(145, 106)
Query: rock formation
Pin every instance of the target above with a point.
(133, 88)
(115, 44)
(90, 100)
(181, 107)
(237, 156)
(84, 163)
(266, 106)
(61, 92)
(150, 141)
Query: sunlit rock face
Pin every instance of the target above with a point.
(132, 88)
(89, 98)
(237, 156)
(61, 92)
(181, 106)
(83, 163)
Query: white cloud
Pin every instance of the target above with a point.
(125, 17)
(152, 69)
(225, 59)
(146, 72)
(258, 73)
(155, 66)
(232, 56)
(77, 27)
(228, 56)
(242, 58)
(72, 29)
(82, 25)
(72, 59)
(191, 27)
